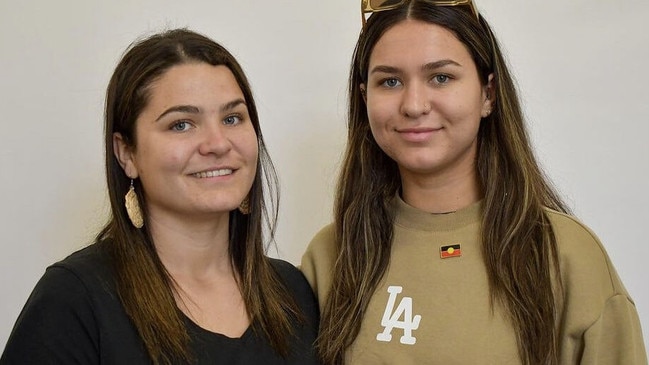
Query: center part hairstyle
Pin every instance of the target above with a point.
(518, 244)
(145, 288)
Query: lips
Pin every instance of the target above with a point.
(212, 173)
(417, 134)
(418, 130)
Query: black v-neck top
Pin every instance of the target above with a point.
(74, 316)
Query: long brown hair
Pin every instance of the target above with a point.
(144, 286)
(515, 195)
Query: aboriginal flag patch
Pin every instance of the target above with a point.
(450, 251)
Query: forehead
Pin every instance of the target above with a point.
(194, 83)
(418, 41)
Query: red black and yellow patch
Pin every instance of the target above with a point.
(450, 251)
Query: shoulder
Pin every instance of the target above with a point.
(300, 290)
(83, 271)
(92, 259)
(580, 249)
(78, 282)
(597, 310)
(577, 243)
(318, 261)
(59, 319)
(571, 229)
(293, 280)
(325, 236)
(586, 269)
(322, 248)
(290, 274)
(89, 267)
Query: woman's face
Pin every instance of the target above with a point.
(196, 152)
(425, 100)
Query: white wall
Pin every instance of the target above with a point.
(580, 65)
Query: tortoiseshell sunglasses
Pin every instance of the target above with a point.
(373, 6)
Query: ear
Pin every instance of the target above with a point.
(363, 92)
(489, 94)
(124, 154)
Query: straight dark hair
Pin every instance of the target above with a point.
(145, 288)
(518, 243)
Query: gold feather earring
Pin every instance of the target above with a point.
(244, 207)
(133, 207)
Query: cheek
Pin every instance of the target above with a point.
(249, 146)
(381, 135)
(458, 109)
(160, 157)
(253, 154)
(379, 114)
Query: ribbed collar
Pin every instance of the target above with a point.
(410, 217)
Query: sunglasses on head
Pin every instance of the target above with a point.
(373, 6)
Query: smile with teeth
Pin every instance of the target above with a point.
(214, 173)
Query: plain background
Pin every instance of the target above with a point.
(580, 65)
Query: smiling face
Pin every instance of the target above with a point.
(196, 148)
(425, 101)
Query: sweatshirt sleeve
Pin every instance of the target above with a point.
(318, 263)
(56, 325)
(599, 321)
(616, 337)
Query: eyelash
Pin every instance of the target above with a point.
(177, 126)
(174, 125)
(236, 116)
(434, 79)
(384, 82)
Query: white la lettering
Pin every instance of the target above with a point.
(391, 319)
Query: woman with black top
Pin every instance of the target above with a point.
(179, 273)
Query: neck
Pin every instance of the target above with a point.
(195, 253)
(192, 248)
(441, 194)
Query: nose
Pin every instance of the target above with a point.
(415, 100)
(214, 139)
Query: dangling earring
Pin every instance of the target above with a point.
(487, 110)
(133, 207)
(244, 207)
(486, 113)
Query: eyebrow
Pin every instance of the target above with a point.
(233, 104)
(180, 109)
(191, 109)
(427, 67)
(438, 64)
